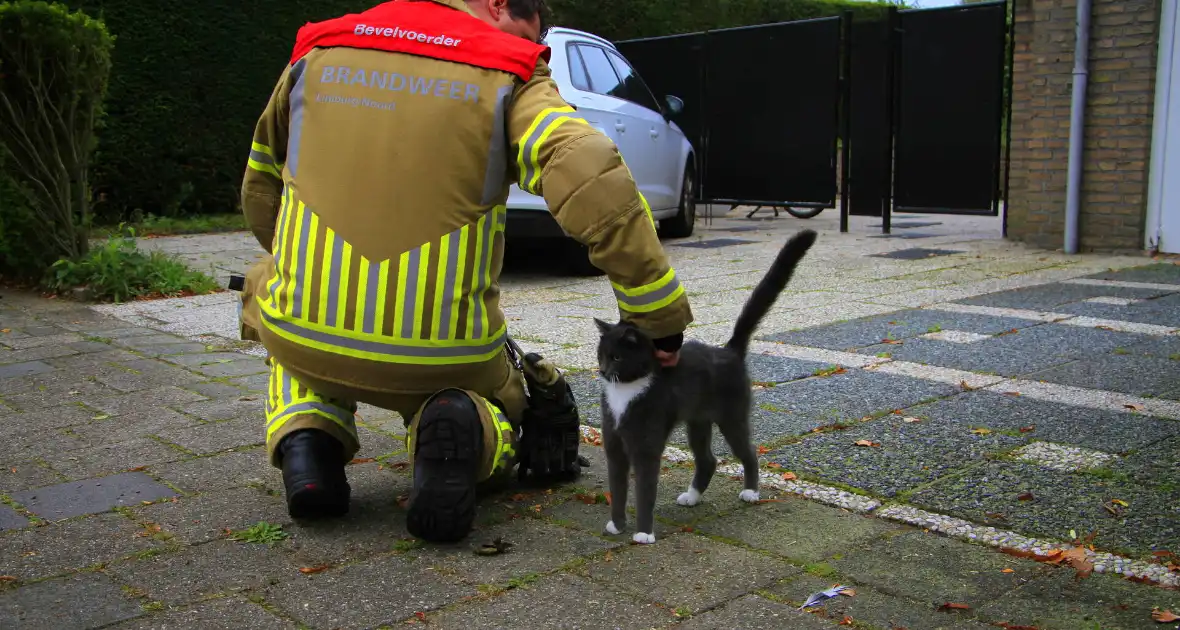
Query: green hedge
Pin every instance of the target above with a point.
(191, 79)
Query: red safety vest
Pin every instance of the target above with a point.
(426, 29)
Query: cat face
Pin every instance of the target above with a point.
(624, 353)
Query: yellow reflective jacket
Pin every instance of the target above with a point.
(377, 178)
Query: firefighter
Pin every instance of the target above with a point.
(377, 182)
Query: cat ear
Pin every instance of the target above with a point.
(603, 327)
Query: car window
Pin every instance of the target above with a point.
(577, 70)
(603, 79)
(634, 89)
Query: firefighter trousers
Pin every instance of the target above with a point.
(297, 401)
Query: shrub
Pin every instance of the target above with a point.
(54, 66)
(117, 270)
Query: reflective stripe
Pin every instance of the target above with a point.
(544, 124)
(477, 318)
(384, 349)
(505, 451)
(263, 160)
(289, 398)
(457, 288)
(295, 128)
(443, 281)
(493, 181)
(280, 248)
(303, 281)
(647, 209)
(649, 297)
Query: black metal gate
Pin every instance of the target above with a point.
(765, 128)
(914, 100)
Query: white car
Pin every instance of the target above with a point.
(609, 94)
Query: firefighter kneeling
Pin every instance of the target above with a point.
(385, 233)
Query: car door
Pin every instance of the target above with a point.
(628, 120)
(665, 169)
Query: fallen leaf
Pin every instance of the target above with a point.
(13, 470)
(362, 460)
(7, 578)
(1120, 502)
(1007, 626)
(867, 443)
(1027, 496)
(846, 621)
(1110, 328)
(687, 529)
(762, 450)
(999, 516)
(420, 615)
(1008, 571)
(1134, 406)
(607, 495)
(911, 419)
(981, 431)
(5, 330)
(848, 592)
(137, 469)
(774, 465)
(1163, 554)
(954, 606)
(310, 570)
(1114, 510)
(790, 476)
(146, 502)
(518, 497)
(401, 465)
(892, 342)
(1011, 393)
(896, 412)
(964, 386)
(1029, 429)
(1164, 616)
(1077, 559)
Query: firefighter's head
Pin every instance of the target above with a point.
(523, 18)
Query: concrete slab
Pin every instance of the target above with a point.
(92, 496)
(94, 601)
(1049, 296)
(900, 325)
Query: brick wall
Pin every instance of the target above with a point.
(1117, 130)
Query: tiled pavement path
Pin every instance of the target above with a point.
(132, 470)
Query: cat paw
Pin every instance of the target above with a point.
(749, 496)
(690, 498)
(612, 530)
(644, 539)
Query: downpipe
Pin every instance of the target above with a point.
(1077, 121)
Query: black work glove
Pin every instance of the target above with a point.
(549, 446)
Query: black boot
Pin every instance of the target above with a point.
(449, 448)
(313, 473)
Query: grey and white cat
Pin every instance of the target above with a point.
(642, 402)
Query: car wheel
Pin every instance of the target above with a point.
(803, 213)
(577, 261)
(681, 225)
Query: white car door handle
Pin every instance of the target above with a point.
(620, 126)
(655, 133)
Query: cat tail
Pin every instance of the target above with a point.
(768, 290)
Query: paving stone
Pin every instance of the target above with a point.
(256, 383)
(92, 496)
(152, 340)
(1051, 422)
(568, 601)
(1161, 347)
(1061, 502)
(686, 570)
(111, 458)
(752, 611)
(78, 602)
(986, 357)
(89, 361)
(11, 519)
(221, 364)
(803, 405)
(1146, 312)
(1128, 374)
(229, 613)
(538, 547)
(137, 424)
(1162, 273)
(216, 390)
(24, 369)
(56, 337)
(384, 590)
(36, 354)
(1154, 464)
(219, 436)
(56, 389)
(1059, 601)
(198, 572)
(22, 474)
(241, 406)
(141, 374)
(872, 608)
(41, 552)
(767, 369)
(119, 404)
(226, 470)
(909, 454)
(796, 528)
(206, 517)
(933, 568)
(1046, 297)
(906, 324)
(55, 417)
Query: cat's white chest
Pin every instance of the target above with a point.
(620, 395)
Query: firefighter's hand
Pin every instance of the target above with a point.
(668, 359)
